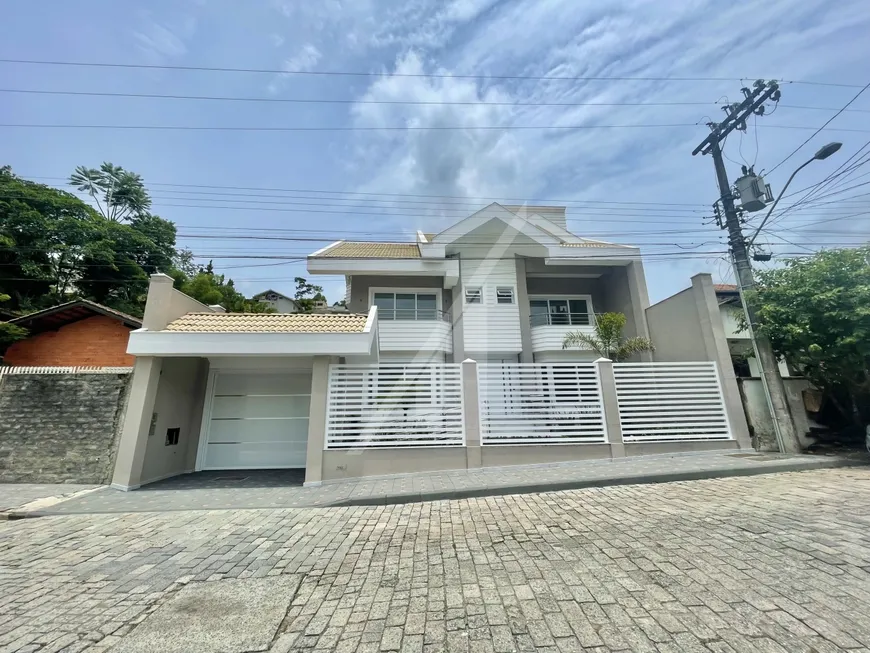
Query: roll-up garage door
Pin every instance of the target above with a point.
(258, 421)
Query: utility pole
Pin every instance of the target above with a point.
(774, 388)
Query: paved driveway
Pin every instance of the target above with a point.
(765, 563)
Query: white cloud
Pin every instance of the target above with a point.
(305, 59)
(165, 40)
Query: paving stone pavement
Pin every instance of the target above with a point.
(16, 495)
(283, 488)
(774, 563)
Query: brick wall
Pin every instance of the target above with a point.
(97, 341)
(57, 428)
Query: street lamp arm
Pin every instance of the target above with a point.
(781, 193)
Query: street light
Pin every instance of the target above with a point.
(821, 155)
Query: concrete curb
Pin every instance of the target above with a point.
(578, 484)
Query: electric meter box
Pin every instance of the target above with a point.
(754, 193)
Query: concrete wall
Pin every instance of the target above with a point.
(675, 329)
(57, 428)
(179, 403)
(382, 462)
(758, 413)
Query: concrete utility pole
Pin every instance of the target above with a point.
(774, 388)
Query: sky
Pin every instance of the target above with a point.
(460, 64)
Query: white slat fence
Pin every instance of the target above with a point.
(534, 403)
(34, 369)
(394, 405)
(670, 401)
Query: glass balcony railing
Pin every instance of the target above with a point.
(563, 319)
(416, 314)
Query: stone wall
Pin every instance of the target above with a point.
(60, 428)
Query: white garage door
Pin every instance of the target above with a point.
(258, 421)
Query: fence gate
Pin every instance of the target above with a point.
(402, 405)
(535, 403)
(670, 401)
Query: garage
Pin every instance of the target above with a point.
(257, 421)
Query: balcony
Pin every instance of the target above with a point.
(549, 329)
(415, 329)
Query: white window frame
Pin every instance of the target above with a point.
(548, 297)
(407, 291)
(502, 289)
(476, 291)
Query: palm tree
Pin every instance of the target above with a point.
(123, 192)
(608, 341)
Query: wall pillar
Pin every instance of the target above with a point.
(317, 420)
(611, 407)
(471, 413)
(526, 356)
(716, 348)
(639, 294)
(137, 422)
(457, 306)
(158, 309)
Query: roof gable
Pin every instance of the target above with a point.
(495, 211)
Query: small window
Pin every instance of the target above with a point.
(172, 436)
(473, 295)
(504, 295)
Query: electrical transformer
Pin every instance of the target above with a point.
(754, 193)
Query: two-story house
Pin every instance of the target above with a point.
(504, 284)
(320, 391)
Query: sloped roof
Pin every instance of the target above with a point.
(270, 323)
(55, 317)
(724, 287)
(347, 249)
(592, 243)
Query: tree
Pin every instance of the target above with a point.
(122, 192)
(210, 289)
(44, 235)
(607, 340)
(9, 333)
(307, 295)
(816, 312)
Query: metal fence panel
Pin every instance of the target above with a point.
(537, 403)
(670, 401)
(394, 405)
(36, 369)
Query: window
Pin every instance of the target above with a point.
(504, 295)
(473, 295)
(406, 306)
(560, 312)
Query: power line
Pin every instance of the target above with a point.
(234, 98)
(507, 200)
(392, 128)
(797, 149)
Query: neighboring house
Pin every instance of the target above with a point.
(80, 333)
(739, 343)
(281, 303)
(504, 284)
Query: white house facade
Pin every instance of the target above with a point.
(449, 356)
(505, 284)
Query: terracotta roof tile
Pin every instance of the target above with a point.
(347, 249)
(270, 323)
(724, 287)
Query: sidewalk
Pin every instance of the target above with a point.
(282, 489)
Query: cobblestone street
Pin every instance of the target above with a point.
(778, 562)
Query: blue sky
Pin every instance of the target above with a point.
(402, 40)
